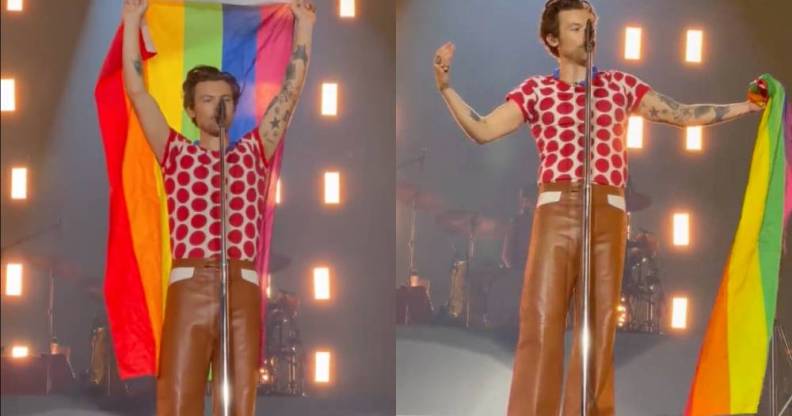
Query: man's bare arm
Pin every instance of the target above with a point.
(503, 120)
(152, 121)
(662, 109)
(278, 115)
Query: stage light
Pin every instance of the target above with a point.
(278, 191)
(346, 8)
(20, 351)
(332, 188)
(329, 99)
(695, 41)
(264, 376)
(681, 229)
(7, 94)
(635, 132)
(321, 278)
(632, 43)
(269, 286)
(19, 183)
(14, 5)
(322, 367)
(679, 312)
(693, 140)
(13, 284)
(621, 314)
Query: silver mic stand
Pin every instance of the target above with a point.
(225, 380)
(585, 336)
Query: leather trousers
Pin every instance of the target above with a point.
(552, 274)
(191, 338)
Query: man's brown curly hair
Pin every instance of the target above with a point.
(207, 73)
(549, 24)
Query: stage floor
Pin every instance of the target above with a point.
(269, 406)
(454, 371)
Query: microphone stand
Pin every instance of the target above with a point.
(585, 336)
(224, 292)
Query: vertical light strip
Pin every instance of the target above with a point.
(322, 364)
(632, 43)
(329, 99)
(332, 188)
(7, 95)
(679, 312)
(321, 278)
(695, 43)
(693, 141)
(681, 229)
(13, 283)
(14, 5)
(278, 191)
(269, 286)
(20, 351)
(635, 132)
(346, 8)
(19, 183)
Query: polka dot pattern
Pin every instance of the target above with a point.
(555, 112)
(192, 182)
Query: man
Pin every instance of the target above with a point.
(553, 106)
(191, 172)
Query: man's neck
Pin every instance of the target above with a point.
(208, 141)
(571, 72)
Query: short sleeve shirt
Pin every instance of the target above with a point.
(192, 183)
(555, 111)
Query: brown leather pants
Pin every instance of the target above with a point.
(191, 337)
(551, 276)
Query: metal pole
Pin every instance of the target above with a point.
(51, 327)
(585, 328)
(224, 295)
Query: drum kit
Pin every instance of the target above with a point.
(471, 277)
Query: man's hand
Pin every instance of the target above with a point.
(134, 10)
(442, 65)
(304, 12)
(758, 95)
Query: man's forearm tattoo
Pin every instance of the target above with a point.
(280, 109)
(138, 66)
(675, 113)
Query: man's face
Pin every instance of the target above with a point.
(207, 97)
(572, 35)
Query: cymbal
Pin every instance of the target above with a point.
(278, 262)
(470, 223)
(407, 192)
(637, 201)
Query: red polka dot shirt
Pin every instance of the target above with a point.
(192, 184)
(555, 112)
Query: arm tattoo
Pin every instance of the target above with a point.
(138, 66)
(720, 113)
(672, 112)
(279, 112)
(300, 54)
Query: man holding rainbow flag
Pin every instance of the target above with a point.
(165, 222)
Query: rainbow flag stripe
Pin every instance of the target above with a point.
(254, 44)
(733, 357)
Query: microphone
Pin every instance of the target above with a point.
(590, 41)
(220, 113)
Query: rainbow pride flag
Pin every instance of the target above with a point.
(733, 357)
(253, 43)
